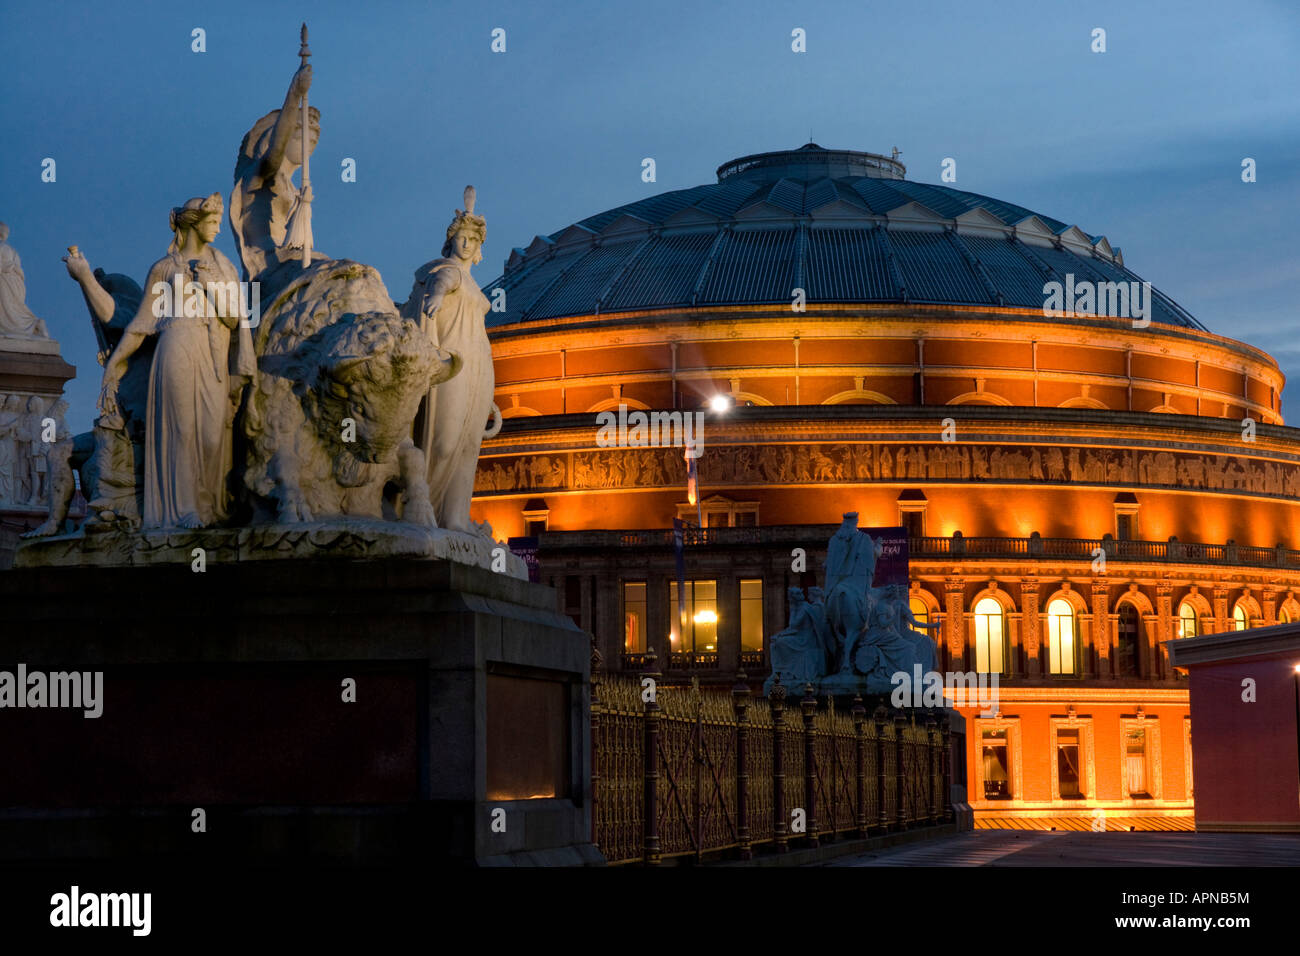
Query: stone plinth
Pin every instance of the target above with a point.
(228, 691)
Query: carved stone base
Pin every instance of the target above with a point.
(347, 538)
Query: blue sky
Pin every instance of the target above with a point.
(1142, 143)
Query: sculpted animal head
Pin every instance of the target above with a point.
(373, 370)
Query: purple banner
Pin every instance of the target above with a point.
(526, 548)
(891, 566)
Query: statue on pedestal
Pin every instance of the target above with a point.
(858, 636)
(797, 654)
(15, 318)
(278, 418)
(200, 366)
(110, 458)
(451, 310)
(264, 196)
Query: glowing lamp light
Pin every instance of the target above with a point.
(706, 617)
(720, 403)
(1297, 668)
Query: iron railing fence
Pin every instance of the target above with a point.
(681, 772)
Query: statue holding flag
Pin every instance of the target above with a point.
(269, 216)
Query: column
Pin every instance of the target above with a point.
(728, 624)
(609, 616)
(1164, 630)
(1222, 617)
(657, 613)
(1102, 639)
(1030, 633)
(954, 623)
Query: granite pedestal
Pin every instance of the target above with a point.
(376, 710)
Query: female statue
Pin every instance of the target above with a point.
(451, 309)
(888, 644)
(199, 369)
(15, 317)
(797, 653)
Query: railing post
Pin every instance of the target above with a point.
(595, 741)
(931, 769)
(879, 718)
(809, 707)
(901, 743)
(945, 732)
(860, 761)
(777, 698)
(740, 704)
(650, 849)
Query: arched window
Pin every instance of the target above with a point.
(1284, 616)
(1062, 633)
(1188, 623)
(1240, 619)
(920, 610)
(989, 636)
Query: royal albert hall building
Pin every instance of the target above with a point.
(1078, 489)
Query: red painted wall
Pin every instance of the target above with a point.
(1244, 761)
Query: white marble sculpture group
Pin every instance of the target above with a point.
(334, 405)
(851, 636)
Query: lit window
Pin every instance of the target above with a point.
(1240, 620)
(1067, 764)
(634, 617)
(997, 778)
(751, 615)
(701, 617)
(1135, 763)
(1284, 616)
(1188, 625)
(920, 610)
(988, 636)
(1062, 632)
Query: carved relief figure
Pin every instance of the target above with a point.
(11, 420)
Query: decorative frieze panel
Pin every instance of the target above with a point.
(861, 462)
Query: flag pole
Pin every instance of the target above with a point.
(305, 53)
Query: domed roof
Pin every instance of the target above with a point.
(844, 226)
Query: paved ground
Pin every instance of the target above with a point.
(1039, 848)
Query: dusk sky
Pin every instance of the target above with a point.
(1143, 143)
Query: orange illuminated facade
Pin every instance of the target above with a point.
(1078, 489)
